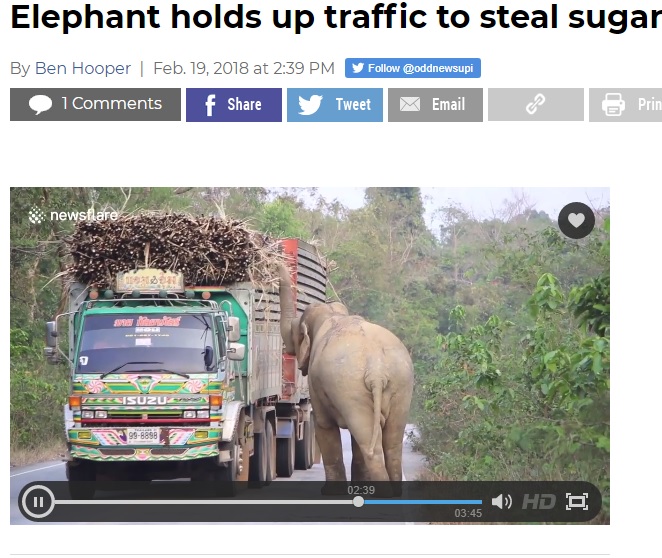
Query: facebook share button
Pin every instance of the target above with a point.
(234, 105)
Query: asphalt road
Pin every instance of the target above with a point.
(412, 464)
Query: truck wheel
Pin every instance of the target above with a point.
(237, 470)
(81, 476)
(270, 442)
(304, 456)
(224, 477)
(243, 463)
(260, 459)
(285, 455)
(226, 473)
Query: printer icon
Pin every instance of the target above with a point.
(613, 104)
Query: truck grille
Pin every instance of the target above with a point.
(144, 415)
(116, 451)
(168, 451)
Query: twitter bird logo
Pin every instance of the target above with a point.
(310, 106)
(357, 67)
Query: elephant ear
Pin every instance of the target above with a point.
(303, 348)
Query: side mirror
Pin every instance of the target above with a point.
(236, 351)
(209, 357)
(51, 334)
(234, 329)
(52, 356)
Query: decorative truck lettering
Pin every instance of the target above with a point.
(146, 400)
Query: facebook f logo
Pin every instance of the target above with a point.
(210, 104)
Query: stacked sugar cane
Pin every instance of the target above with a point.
(207, 250)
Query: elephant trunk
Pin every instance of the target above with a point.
(287, 309)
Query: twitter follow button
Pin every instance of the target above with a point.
(412, 67)
(335, 105)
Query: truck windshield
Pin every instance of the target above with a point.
(176, 342)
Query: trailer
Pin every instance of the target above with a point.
(169, 380)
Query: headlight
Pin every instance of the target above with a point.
(101, 414)
(88, 414)
(203, 414)
(189, 414)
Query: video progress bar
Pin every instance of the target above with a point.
(357, 501)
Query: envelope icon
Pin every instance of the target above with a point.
(408, 104)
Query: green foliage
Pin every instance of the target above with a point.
(591, 304)
(279, 220)
(37, 394)
(520, 399)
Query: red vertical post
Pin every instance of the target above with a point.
(291, 250)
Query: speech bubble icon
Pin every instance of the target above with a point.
(40, 103)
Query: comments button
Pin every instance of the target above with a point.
(89, 105)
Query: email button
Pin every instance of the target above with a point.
(410, 104)
(435, 104)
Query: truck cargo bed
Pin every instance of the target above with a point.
(275, 376)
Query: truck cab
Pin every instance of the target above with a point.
(152, 366)
(169, 380)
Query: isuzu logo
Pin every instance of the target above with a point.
(146, 400)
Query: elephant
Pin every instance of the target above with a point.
(360, 377)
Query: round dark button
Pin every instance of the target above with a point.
(576, 220)
(38, 501)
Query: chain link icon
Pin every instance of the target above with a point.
(538, 101)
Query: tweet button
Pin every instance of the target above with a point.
(335, 105)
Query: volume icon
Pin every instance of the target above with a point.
(500, 501)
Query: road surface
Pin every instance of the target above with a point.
(412, 464)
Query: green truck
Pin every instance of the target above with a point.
(169, 380)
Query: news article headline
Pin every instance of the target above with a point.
(391, 16)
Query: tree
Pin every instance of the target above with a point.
(279, 219)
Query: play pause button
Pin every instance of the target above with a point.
(38, 501)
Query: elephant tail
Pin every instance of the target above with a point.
(377, 389)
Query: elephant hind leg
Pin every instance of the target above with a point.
(359, 472)
(330, 445)
(373, 466)
(392, 439)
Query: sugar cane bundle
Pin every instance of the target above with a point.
(207, 250)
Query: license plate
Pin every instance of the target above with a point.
(142, 435)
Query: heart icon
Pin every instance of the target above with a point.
(576, 219)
